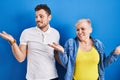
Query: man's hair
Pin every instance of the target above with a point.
(44, 7)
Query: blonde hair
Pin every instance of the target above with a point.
(83, 20)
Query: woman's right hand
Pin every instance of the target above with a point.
(57, 47)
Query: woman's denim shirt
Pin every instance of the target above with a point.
(68, 58)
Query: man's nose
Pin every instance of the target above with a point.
(38, 18)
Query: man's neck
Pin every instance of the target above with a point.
(44, 29)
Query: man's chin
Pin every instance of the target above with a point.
(40, 26)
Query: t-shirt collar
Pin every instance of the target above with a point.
(38, 29)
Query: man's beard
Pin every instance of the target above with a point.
(42, 26)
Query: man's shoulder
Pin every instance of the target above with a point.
(29, 29)
(54, 30)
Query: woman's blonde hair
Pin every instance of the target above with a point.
(83, 20)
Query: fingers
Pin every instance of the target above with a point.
(50, 45)
(55, 43)
(57, 47)
(4, 32)
(6, 36)
(117, 50)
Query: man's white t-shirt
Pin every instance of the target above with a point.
(40, 57)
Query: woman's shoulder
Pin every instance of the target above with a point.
(96, 40)
(71, 40)
(98, 43)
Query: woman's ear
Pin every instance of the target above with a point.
(91, 29)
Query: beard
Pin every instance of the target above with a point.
(41, 25)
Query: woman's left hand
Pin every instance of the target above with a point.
(117, 50)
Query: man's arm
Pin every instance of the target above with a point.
(18, 51)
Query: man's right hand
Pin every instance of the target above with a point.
(7, 36)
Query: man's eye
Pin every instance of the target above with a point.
(41, 16)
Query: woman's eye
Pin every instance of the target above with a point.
(82, 29)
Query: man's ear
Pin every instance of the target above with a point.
(50, 17)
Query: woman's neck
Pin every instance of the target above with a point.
(86, 41)
(86, 45)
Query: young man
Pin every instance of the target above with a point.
(33, 45)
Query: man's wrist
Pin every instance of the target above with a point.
(12, 42)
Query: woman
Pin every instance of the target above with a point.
(84, 56)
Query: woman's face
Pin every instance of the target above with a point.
(83, 30)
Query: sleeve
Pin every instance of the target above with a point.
(23, 38)
(64, 56)
(58, 37)
(107, 60)
(110, 59)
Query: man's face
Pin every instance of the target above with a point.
(42, 18)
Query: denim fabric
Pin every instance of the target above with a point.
(68, 58)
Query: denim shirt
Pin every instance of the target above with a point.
(68, 58)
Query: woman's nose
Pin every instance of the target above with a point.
(80, 31)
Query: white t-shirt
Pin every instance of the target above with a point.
(40, 57)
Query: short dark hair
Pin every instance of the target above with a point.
(43, 6)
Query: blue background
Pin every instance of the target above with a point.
(17, 15)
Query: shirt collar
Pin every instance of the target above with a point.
(38, 29)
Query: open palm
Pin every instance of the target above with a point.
(57, 47)
(6, 36)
